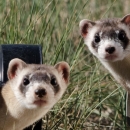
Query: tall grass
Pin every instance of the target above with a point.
(93, 100)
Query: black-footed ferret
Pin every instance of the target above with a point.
(30, 93)
(109, 41)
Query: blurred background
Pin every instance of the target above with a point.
(93, 100)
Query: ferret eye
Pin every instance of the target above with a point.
(53, 81)
(26, 81)
(122, 35)
(97, 38)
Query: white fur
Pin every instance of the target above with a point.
(126, 28)
(28, 99)
(118, 53)
(31, 98)
(20, 109)
(118, 63)
(89, 39)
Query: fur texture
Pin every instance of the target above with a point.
(109, 41)
(32, 90)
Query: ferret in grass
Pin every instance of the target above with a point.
(31, 91)
(109, 41)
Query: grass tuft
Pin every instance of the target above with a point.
(93, 100)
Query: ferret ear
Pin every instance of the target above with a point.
(126, 19)
(84, 25)
(14, 66)
(64, 68)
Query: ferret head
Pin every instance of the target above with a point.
(37, 85)
(107, 39)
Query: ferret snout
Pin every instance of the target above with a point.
(110, 50)
(40, 92)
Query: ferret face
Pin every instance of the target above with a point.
(109, 39)
(38, 86)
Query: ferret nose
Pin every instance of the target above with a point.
(110, 50)
(40, 92)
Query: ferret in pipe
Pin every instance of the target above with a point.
(31, 91)
(109, 41)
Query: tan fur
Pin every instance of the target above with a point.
(120, 70)
(119, 67)
(14, 115)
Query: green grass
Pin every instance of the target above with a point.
(93, 100)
